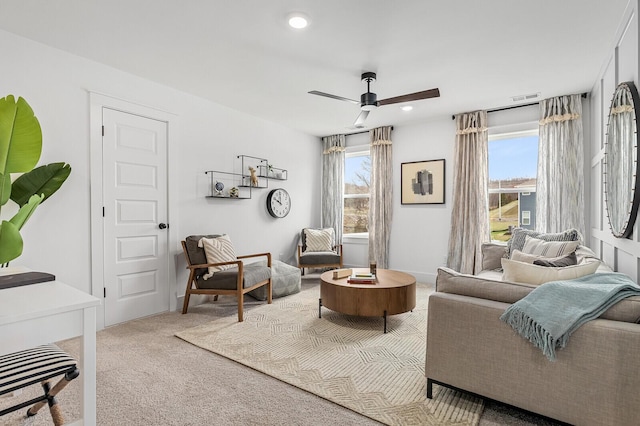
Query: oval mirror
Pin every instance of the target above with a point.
(621, 159)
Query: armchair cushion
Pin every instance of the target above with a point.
(252, 273)
(317, 240)
(217, 250)
(319, 258)
(195, 253)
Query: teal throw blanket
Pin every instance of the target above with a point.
(550, 313)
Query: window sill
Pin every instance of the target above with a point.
(361, 238)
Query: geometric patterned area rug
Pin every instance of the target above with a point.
(345, 359)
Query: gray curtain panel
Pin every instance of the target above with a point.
(469, 213)
(332, 183)
(381, 196)
(560, 180)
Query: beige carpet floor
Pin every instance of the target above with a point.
(147, 376)
(345, 359)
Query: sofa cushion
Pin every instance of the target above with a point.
(450, 281)
(519, 256)
(491, 255)
(518, 236)
(534, 274)
(548, 248)
(558, 262)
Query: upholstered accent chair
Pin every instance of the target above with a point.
(317, 249)
(235, 278)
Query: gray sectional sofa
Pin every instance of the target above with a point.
(595, 379)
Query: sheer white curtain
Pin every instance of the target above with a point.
(560, 180)
(380, 197)
(469, 215)
(332, 183)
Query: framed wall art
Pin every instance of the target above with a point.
(422, 182)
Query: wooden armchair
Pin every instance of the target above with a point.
(328, 257)
(237, 280)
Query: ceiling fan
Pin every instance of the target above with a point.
(369, 101)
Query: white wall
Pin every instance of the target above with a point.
(621, 65)
(420, 232)
(210, 136)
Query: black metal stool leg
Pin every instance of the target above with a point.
(385, 322)
(320, 308)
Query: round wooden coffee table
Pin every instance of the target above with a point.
(393, 293)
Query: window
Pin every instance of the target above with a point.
(357, 176)
(513, 162)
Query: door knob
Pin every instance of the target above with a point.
(163, 226)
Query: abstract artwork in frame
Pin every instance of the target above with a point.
(422, 182)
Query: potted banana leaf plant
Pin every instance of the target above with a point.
(20, 180)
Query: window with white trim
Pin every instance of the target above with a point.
(513, 162)
(357, 178)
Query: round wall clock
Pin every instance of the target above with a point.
(278, 203)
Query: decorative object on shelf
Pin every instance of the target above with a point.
(270, 170)
(218, 187)
(278, 203)
(422, 182)
(254, 177)
(234, 192)
(20, 149)
(620, 169)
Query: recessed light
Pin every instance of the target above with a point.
(298, 20)
(406, 108)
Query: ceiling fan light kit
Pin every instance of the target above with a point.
(369, 100)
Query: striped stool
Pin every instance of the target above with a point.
(38, 365)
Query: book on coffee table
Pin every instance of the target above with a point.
(364, 278)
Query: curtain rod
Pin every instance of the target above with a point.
(359, 133)
(453, 117)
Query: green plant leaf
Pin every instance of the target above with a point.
(10, 242)
(20, 136)
(44, 180)
(26, 211)
(5, 189)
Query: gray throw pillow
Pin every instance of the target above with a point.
(562, 262)
(491, 255)
(519, 235)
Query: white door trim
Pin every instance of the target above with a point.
(97, 102)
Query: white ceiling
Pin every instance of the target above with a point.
(242, 54)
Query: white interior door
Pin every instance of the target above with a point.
(135, 215)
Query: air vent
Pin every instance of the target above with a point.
(525, 97)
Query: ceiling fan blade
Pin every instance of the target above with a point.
(329, 95)
(425, 94)
(360, 120)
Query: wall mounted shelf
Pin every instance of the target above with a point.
(222, 184)
(256, 164)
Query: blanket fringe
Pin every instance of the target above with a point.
(531, 330)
